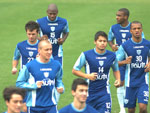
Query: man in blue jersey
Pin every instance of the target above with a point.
(56, 28)
(14, 99)
(27, 49)
(79, 92)
(98, 62)
(120, 32)
(40, 77)
(135, 51)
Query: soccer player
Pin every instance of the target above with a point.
(98, 62)
(39, 77)
(135, 51)
(56, 28)
(14, 99)
(120, 32)
(27, 49)
(79, 92)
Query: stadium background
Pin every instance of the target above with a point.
(85, 18)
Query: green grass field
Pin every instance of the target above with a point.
(85, 18)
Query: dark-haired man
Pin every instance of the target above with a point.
(79, 92)
(14, 99)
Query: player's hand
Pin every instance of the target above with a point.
(39, 84)
(92, 76)
(147, 66)
(117, 83)
(114, 47)
(128, 60)
(60, 90)
(14, 71)
(60, 41)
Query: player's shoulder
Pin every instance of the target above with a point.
(115, 26)
(89, 51)
(65, 109)
(22, 43)
(55, 62)
(62, 19)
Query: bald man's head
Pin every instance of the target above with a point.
(52, 12)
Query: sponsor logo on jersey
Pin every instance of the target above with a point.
(46, 69)
(29, 48)
(138, 47)
(54, 24)
(48, 82)
(101, 57)
(124, 31)
(138, 65)
(101, 76)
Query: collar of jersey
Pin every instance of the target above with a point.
(52, 21)
(77, 109)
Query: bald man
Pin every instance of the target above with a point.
(56, 28)
(40, 77)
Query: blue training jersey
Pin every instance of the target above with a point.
(71, 109)
(53, 29)
(25, 52)
(134, 74)
(99, 63)
(51, 75)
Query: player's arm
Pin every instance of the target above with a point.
(22, 80)
(15, 61)
(113, 46)
(77, 68)
(121, 56)
(116, 72)
(59, 83)
(147, 66)
(64, 36)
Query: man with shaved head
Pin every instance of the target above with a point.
(40, 77)
(57, 30)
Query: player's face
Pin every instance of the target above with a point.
(136, 30)
(45, 52)
(120, 17)
(52, 14)
(101, 44)
(80, 94)
(32, 36)
(15, 103)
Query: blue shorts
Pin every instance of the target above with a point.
(60, 59)
(102, 103)
(50, 109)
(133, 93)
(122, 72)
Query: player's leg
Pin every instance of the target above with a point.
(143, 97)
(130, 99)
(121, 90)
